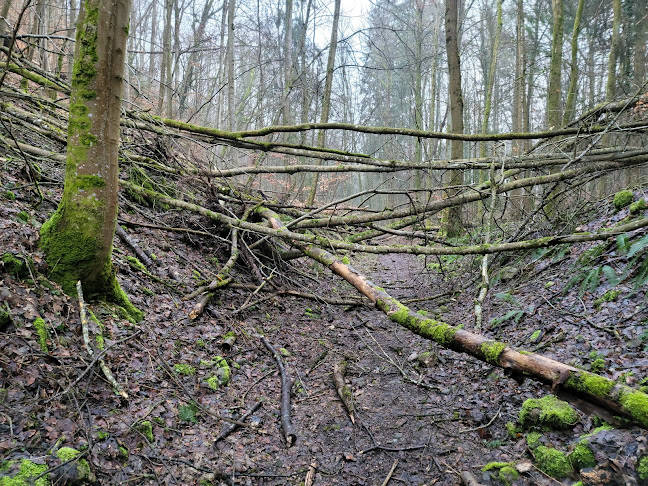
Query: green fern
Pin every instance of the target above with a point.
(590, 282)
(638, 246)
(516, 315)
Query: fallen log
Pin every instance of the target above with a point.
(621, 399)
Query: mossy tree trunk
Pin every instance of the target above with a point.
(78, 237)
(573, 71)
(614, 51)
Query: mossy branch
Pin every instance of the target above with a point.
(619, 398)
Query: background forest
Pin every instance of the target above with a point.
(247, 65)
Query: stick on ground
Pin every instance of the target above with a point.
(286, 424)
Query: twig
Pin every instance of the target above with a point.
(468, 479)
(390, 473)
(392, 449)
(229, 428)
(90, 366)
(484, 426)
(286, 425)
(343, 390)
(143, 257)
(310, 475)
(86, 339)
(224, 272)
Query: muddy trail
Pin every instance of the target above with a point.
(422, 414)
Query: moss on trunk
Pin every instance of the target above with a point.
(77, 239)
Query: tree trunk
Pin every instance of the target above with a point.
(165, 71)
(614, 50)
(452, 218)
(199, 34)
(77, 239)
(231, 115)
(573, 72)
(153, 40)
(641, 26)
(287, 52)
(553, 111)
(326, 100)
(490, 78)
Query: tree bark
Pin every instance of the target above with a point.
(77, 239)
(610, 87)
(641, 26)
(231, 115)
(451, 224)
(573, 71)
(326, 99)
(553, 111)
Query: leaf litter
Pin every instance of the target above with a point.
(437, 416)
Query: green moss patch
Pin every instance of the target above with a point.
(135, 264)
(26, 474)
(83, 472)
(549, 412)
(145, 427)
(609, 296)
(492, 351)
(184, 369)
(552, 462)
(14, 265)
(636, 405)
(41, 330)
(642, 468)
(582, 456)
(533, 440)
(638, 206)
(622, 199)
(222, 375)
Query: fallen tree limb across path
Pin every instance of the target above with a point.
(620, 399)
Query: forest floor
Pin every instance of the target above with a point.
(419, 418)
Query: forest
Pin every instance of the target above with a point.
(323, 242)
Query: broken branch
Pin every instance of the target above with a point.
(286, 384)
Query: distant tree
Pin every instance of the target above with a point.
(641, 26)
(573, 71)
(614, 51)
(553, 112)
(452, 218)
(77, 239)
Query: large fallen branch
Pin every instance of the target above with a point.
(293, 237)
(619, 398)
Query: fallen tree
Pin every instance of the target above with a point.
(620, 399)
